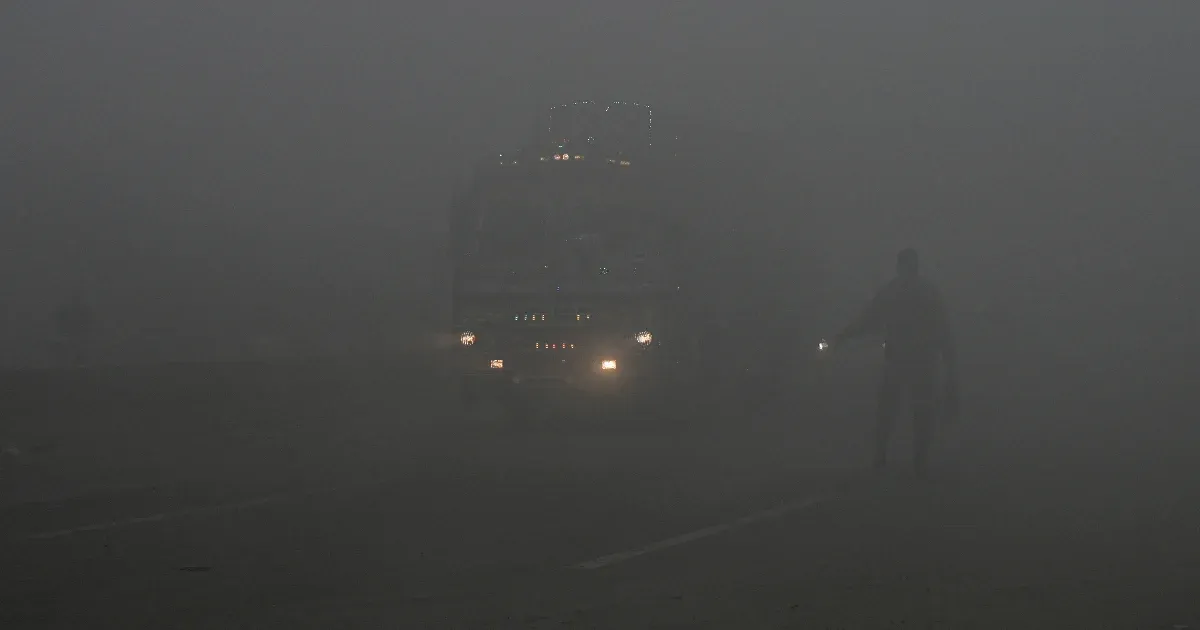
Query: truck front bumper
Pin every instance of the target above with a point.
(597, 374)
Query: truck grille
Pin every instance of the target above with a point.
(546, 352)
(544, 340)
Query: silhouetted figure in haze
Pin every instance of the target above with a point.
(910, 313)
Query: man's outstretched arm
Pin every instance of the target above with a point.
(867, 321)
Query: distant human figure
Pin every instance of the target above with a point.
(913, 319)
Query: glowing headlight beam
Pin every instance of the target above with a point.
(608, 364)
(644, 337)
(497, 364)
(467, 338)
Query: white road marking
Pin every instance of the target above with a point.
(162, 516)
(774, 512)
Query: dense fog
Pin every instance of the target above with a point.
(196, 191)
(272, 175)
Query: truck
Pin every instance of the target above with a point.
(571, 260)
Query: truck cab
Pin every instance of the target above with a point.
(569, 271)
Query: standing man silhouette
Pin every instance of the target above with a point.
(913, 319)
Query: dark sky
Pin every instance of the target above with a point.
(170, 157)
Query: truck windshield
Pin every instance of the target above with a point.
(520, 227)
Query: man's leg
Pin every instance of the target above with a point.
(890, 392)
(921, 388)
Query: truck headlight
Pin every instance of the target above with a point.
(644, 338)
(608, 365)
(467, 338)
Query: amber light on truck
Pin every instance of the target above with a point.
(497, 364)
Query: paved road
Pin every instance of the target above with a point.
(577, 520)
